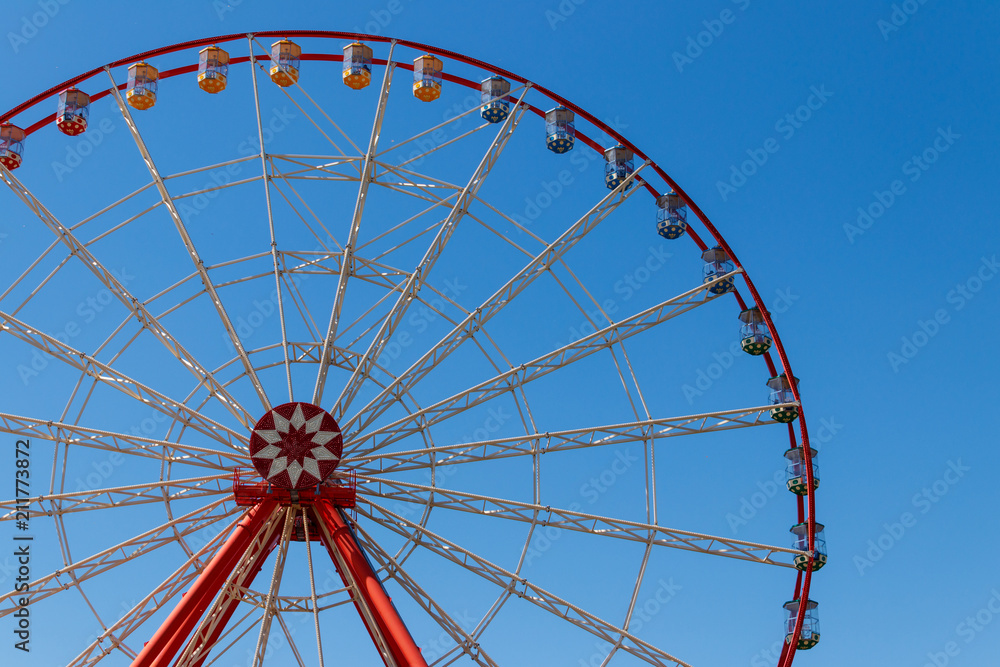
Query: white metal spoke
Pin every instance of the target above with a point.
(161, 450)
(112, 557)
(138, 310)
(347, 265)
(522, 588)
(475, 320)
(555, 441)
(465, 642)
(279, 569)
(419, 420)
(118, 496)
(206, 280)
(435, 496)
(312, 586)
(416, 280)
(107, 375)
(270, 224)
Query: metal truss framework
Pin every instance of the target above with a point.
(198, 454)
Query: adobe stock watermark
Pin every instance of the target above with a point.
(967, 631)
(958, 297)
(444, 642)
(87, 310)
(705, 378)
(923, 501)
(591, 490)
(562, 12)
(644, 612)
(913, 168)
(752, 503)
(898, 17)
(190, 207)
(629, 284)
(786, 126)
(83, 146)
(550, 191)
(704, 39)
(30, 25)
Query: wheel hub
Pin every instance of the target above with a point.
(296, 445)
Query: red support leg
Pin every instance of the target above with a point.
(162, 647)
(377, 611)
(230, 604)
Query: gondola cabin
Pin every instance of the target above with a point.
(671, 216)
(796, 471)
(800, 542)
(618, 165)
(781, 394)
(809, 634)
(717, 264)
(213, 69)
(560, 132)
(357, 65)
(427, 77)
(755, 338)
(285, 59)
(142, 82)
(496, 106)
(73, 112)
(11, 145)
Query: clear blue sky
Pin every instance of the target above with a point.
(869, 221)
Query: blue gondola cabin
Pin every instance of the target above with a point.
(618, 165)
(496, 106)
(717, 265)
(671, 216)
(560, 132)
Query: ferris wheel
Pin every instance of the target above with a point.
(311, 371)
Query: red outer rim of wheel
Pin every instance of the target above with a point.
(806, 507)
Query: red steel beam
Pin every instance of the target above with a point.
(232, 603)
(162, 647)
(345, 552)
